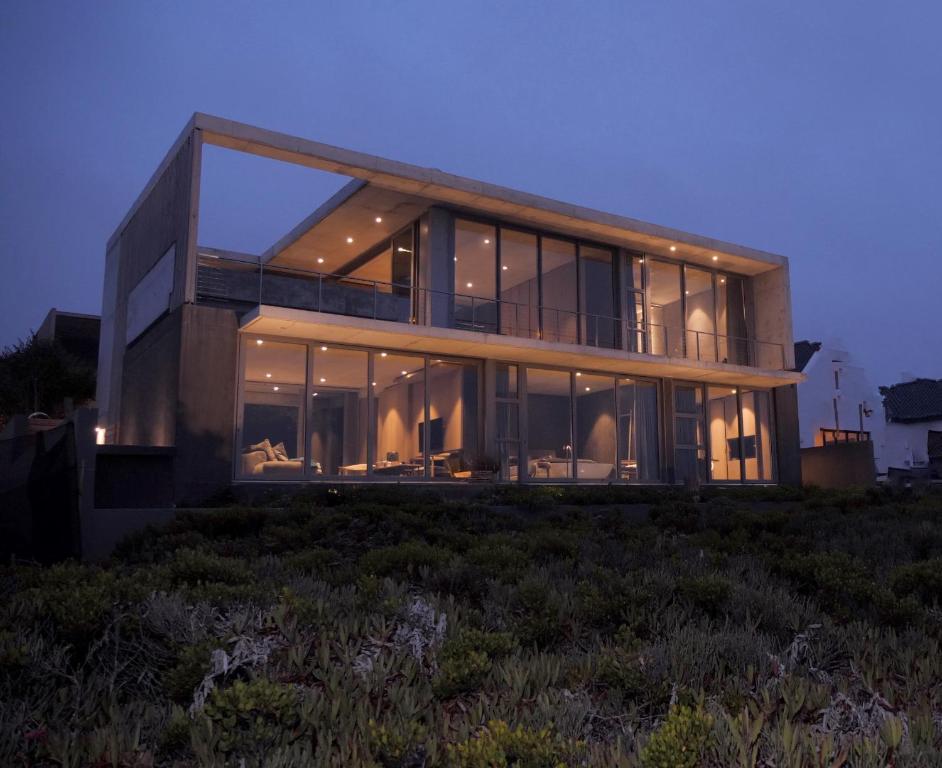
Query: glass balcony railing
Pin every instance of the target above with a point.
(244, 282)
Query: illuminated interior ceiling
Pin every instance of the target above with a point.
(355, 220)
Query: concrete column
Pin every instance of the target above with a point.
(787, 440)
(439, 256)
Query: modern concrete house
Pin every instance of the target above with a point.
(420, 326)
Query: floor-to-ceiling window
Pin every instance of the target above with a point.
(597, 296)
(596, 424)
(398, 388)
(549, 424)
(559, 290)
(475, 276)
(271, 427)
(519, 284)
(689, 444)
(757, 435)
(638, 431)
(507, 420)
(700, 322)
(732, 343)
(635, 327)
(339, 411)
(454, 418)
(665, 305)
(726, 449)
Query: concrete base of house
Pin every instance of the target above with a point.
(842, 465)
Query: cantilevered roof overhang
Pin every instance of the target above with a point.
(317, 326)
(465, 193)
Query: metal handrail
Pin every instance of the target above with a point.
(504, 317)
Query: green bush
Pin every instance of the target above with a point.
(922, 580)
(679, 516)
(466, 659)
(191, 665)
(194, 566)
(708, 593)
(498, 746)
(681, 741)
(403, 561)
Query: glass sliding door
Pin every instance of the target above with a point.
(453, 422)
(700, 321)
(596, 450)
(507, 421)
(732, 341)
(597, 300)
(549, 425)
(339, 411)
(757, 436)
(519, 284)
(398, 388)
(689, 446)
(559, 290)
(665, 309)
(475, 265)
(634, 305)
(271, 433)
(726, 447)
(638, 431)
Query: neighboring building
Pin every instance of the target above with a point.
(420, 325)
(836, 402)
(914, 425)
(77, 334)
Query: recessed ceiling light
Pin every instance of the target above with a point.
(275, 388)
(323, 349)
(383, 354)
(716, 258)
(504, 268)
(379, 219)
(456, 258)
(320, 259)
(578, 373)
(470, 285)
(588, 389)
(733, 391)
(641, 261)
(349, 239)
(722, 279)
(267, 375)
(404, 373)
(686, 293)
(323, 380)
(487, 241)
(259, 342)
(673, 248)
(314, 395)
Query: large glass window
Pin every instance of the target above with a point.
(519, 285)
(507, 421)
(560, 305)
(339, 408)
(453, 423)
(638, 432)
(549, 424)
(726, 450)
(597, 283)
(666, 317)
(700, 305)
(689, 445)
(272, 424)
(757, 435)
(634, 305)
(732, 344)
(595, 427)
(475, 276)
(399, 405)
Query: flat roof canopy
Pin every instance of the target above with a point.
(407, 183)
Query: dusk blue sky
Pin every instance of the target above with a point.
(811, 129)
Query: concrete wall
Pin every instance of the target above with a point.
(906, 444)
(842, 465)
(787, 448)
(772, 317)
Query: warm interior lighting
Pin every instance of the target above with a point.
(323, 349)
(588, 389)
(314, 394)
(504, 268)
(267, 375)
(404, 373)
(578, 373)
(379, 219)
(383, 354)
(673, 248)
(320, 259)
(487, 241)
(374, 383)
(99, 435)
(275, 388)
(470, 285)
(349, 240)
(716, 258)
(722, 279)
(323, 380)
(259, 342)
(733, 391)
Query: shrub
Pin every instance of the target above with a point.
(188, 670)
(620, 671)
(195, 566)
(498, 745)
(708, 593)
(466, 659)
(681, 740)
(923, 580)
(394, 748)
(403, 561)
(680, 516)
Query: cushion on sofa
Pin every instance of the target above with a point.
(280, 453)
(266, 446)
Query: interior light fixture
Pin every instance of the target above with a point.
(314, 395)
(275, 388)
(504, 268)
(404, 373)
(578, 373)
(379, 219)
(722, 279)
(588, 389)
(374, 383)
(323, 348)
(470, 285)
(267, 375)
(400, 249)
(456, 258)
(673, 248)
(320, 259)
(383, 354)
(259, 342)
(487, 241)
(686, 293)
(733, 391)
(99, 435)
(323, 380)
(716, 258)
(349, 240)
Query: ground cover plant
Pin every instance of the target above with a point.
(525, 628)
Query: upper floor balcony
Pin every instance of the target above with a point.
(245, 281)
